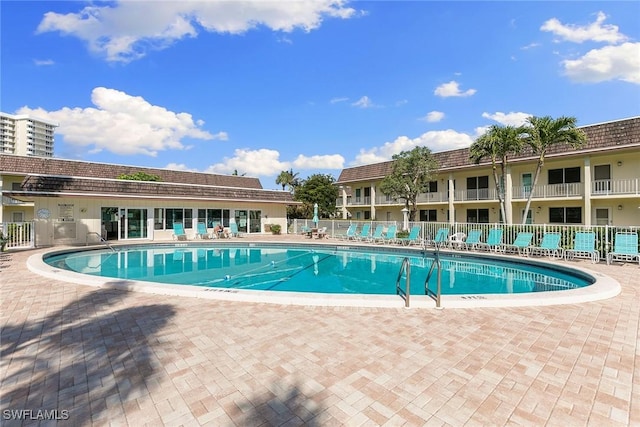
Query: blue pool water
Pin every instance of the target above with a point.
(319, 269)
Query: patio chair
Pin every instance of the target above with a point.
(233, 230)
(365, 232)
(456, 240)
(412, 239)
(390, 236)
(377, 234)
(494, 240)
(625, 248)
(549, 246)
(350, 233)
(584, 246)
(322, 233)
(201, 231)
(520, 244)
(472, 239)
(178, 231)
(441, 239)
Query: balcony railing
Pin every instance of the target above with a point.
(10, 201)
(574, 189)
(476, 194)
(433, 197)
(604, 187)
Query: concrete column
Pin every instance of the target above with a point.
(508, 195)
(343, 190)
(373, 201)
(452, 210)
(587, 190)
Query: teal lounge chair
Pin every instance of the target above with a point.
(178, 231)
(201, 231)
(390, 236)
(233, 230)
(520, 244)
(377, 234)
(494, 240)
(442, 237)
(550, 246)
(350, 233)
(625, 248)
(365, 232)
(472, 239)
(412, 239)
(584, 246)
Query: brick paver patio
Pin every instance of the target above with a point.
(110, 357)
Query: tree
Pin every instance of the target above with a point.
(544, 132)
(288, 178)
(497, 144)
(410, 175)
(139, 176)
(318, 189)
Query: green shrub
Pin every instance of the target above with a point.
(276, 228)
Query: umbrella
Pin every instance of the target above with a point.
(315, 214)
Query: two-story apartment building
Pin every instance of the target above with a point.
(596, 184)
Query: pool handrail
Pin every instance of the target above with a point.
(406, 295)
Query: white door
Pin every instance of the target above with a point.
(602, 216)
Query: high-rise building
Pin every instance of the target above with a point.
(25, 135)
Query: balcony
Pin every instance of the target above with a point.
(476, 194)
(10, 201)
(607, 187)
(438, 197)
(549, 191)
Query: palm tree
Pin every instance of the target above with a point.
(544, 132)
(497, 144)
(288, 178)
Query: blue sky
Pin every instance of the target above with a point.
(313, 86)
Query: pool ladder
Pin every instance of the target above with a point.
(406, 268)
(103, 241)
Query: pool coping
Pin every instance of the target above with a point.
(604, 286)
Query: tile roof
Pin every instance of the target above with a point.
(611, 135)
(14, 164)
(55, 186)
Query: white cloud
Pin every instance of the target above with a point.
(124, 30)
(41, 62)
(331, 161)
(435, 140)
(530, 46)
(180, 167)
(363, 102)
(508, 119)
(593, 32)
(620, 62)
(433, 116)
(123, 124)
(266, 162)
(338, 100)
(452, 88)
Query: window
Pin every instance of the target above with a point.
(565, 215)
(478, 216)
(429, 215)
(432, 187)
(564, 176)
(212, 217)
(158, 219)
(367, 214)
(184, 216)
(477, 187)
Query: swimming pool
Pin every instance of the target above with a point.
(332, 271)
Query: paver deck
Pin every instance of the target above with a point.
(113, 357)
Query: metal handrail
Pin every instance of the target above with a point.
(436, 263)
(102, 240)
(406, 295)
